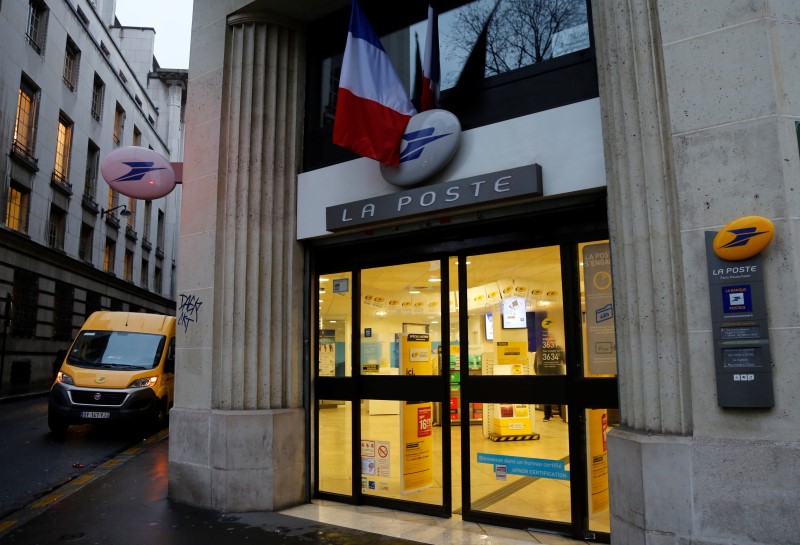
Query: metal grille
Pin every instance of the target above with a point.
(108, 399)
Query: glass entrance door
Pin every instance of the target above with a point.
(533, 449)
(380, 350)
(480, 384)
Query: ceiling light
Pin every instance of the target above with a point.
(433, 279)
(414, 292)
(324, 279)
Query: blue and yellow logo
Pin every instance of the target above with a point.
(743, 238)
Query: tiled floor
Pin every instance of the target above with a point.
(425, 529)
(544, 498)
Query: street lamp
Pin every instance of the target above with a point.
(124, 212)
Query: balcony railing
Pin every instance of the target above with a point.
(58, 181)
(130, 233)
(24, 154)
(146, 245)
(88, 202)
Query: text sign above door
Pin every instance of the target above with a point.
(514, 183)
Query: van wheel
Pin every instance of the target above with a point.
(162, 416)
(56, 425)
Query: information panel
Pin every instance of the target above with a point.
(741, 338)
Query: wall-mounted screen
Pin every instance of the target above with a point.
(489, 323)
(514, 313)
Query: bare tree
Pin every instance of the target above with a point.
(521, 33)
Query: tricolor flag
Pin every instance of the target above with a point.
(430, 66)
(372, 106)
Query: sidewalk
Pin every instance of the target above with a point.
(124, 502)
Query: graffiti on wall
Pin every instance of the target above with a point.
(189, 311)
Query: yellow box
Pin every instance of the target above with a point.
(513, 426)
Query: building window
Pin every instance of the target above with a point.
(128, 265)
(528, 53)
(137, 136)
(157, 280)
(109, 255)
(24, 143)
(37, 25)
(119, 124)
(82, 16)
(17, 208)
(63, 302)
(25, 298)
(92, 168)
(144, 277)
(148, 216)
(56, 228)
(63, 149)
(160, 232)
(93, 303)
(72, 58)
(98, 93)
(132, 210)
(86, 243)
(112, 201)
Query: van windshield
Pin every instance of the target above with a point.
(117, 349)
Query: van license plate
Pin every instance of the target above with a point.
(88, 414)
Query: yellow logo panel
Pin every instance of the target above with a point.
(743, 238)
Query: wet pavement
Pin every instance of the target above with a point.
(124, 502)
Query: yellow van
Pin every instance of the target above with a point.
(121, 368)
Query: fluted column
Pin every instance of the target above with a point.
(174, 126)
(643, 212)
(238, 428)
(259, 271)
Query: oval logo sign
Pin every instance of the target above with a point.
(137, 172)
(743, 238)
(430, 141)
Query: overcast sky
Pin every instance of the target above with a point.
(172, 20)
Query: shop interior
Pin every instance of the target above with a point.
(520, 457)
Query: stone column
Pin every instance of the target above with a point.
(174, 125)
(237, 442)
(697, 120)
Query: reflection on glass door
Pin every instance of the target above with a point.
(334, 417)
(335, 325)
(401, 307)
(489, 378)
(401, 339)
(519, 457)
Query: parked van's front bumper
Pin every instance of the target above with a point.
(79, 405)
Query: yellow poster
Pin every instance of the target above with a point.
(415, 354)
(417, 466)
(598, 458)
(512, 353)
(416, 417)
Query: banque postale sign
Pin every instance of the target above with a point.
(512, 184)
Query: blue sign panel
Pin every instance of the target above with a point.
(528, 467)
(737, 299)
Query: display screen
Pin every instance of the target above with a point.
(514, 313)
(489, 327)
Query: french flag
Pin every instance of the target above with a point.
(372, 106)
(430, 65)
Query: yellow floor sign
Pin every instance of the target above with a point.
(598, 458)
(416, 417)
